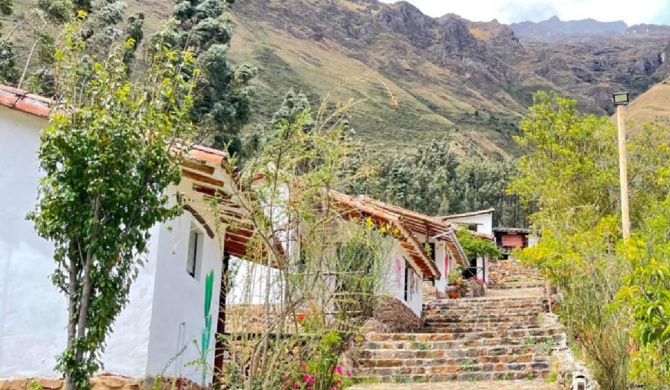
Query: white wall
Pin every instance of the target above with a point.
(177, 319)
(440, 254)
(484, 222)
(394, 270)
(249, 283)
(32, 313)
(127, 349)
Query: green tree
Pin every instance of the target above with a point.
(223, 102)
(293, 108)
(106, 169)
(102, 23)
(9, 72)
(571, 172)
(436, 181)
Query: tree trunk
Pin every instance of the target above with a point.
(72, 315)
(87, 287)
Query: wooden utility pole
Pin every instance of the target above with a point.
(623, 171)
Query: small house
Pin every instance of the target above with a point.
(158, 331)
(479, 223)
(509, 239)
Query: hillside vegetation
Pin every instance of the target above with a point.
(468, 80)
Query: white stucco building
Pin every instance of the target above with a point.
(424, 249)
(155, 333)
(481, 224)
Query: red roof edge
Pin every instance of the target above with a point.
(23, 101)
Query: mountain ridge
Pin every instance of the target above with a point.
(470, 81)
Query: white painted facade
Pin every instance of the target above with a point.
(251, 282)
(483, 221)
(402, 281)
(165, 313)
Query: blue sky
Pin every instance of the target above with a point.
(509, 11)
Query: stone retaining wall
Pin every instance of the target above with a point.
(103, 382)
(511, 271)
(392, 316)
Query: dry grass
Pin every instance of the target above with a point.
(653, 105)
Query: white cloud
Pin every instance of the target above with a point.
(508, 11)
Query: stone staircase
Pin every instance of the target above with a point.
(509, 274)
(476, 339)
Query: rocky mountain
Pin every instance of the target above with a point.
(556, 29)
(648, 29)
(472, 81)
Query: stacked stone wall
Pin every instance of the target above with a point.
(511, 274)
(103, 382)
(392, 316)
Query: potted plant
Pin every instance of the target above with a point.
(454, 282)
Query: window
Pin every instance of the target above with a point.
(192, 256)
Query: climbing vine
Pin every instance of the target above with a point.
(477, 247)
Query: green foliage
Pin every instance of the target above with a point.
(330, 285)
(646, 297)
(101, 25)
(612, 291)
(223, 103)
(435, 181)
(106, 168)
(475, 247)
(9, 72)
(293, 107)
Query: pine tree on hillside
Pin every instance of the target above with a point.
(224, 96)
(294, 106)
(103, 22)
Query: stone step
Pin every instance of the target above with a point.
(513, 286)
(447, 318)
(496, 333)
(544, 339)
(506, 376)
(476, 306)
(483, 312)
(461, 327)
(474, 372)
(469, 303)
(479, 363)
(400, 357)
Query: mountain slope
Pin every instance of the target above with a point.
(556, 29)
(472, 81)
(449, 74)
(651, 106)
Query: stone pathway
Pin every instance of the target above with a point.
(492, 385)
(516, 293)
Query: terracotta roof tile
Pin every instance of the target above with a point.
(23, 101)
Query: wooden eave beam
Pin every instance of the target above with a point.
(201, 178)
(197, 165)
